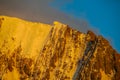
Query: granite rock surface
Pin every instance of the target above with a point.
(37, 51)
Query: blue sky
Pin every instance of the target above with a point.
(101, 14)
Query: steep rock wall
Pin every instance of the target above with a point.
(37, 51)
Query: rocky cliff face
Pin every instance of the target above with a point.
(36, 51)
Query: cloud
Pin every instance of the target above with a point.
(40, 11)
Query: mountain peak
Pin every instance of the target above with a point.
(38, 51)
(57, 23)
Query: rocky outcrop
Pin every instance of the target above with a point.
(103, 64)
(37, 51)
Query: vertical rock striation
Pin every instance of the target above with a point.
(37, 51)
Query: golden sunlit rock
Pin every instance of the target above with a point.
(37, 51)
